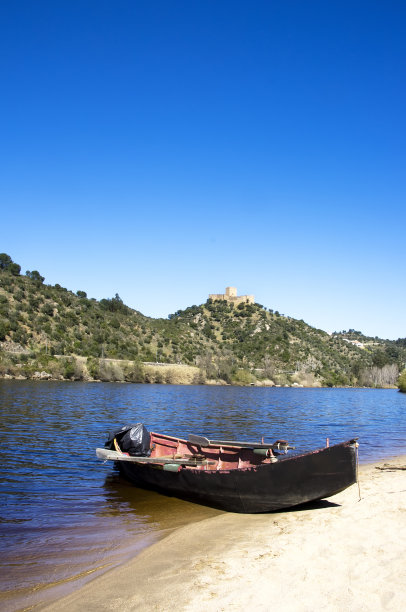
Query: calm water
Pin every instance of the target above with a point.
(65, 516)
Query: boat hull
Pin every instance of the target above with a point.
(268, 487)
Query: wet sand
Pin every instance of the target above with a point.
(340, 554)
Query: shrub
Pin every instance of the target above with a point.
(47, 310)
(135, 372)
(19, 336)
(54, 368)
(159, 376)
(243, 377)
(80, 370)
(93, 367)
(335, 379)
(3, 330)
(68, 366)
(200, 378)
(110, 371)
(402, 382)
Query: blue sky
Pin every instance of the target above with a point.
(163, 150)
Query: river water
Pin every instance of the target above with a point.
(65, 516)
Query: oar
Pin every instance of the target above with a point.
(105, 454)
(205, 443)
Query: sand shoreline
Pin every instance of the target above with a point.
(341, 554)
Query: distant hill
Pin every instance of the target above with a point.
(243, 344)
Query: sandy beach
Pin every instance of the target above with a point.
(341, 554)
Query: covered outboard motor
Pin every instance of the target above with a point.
(132, 439)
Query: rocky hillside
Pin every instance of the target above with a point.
(242, 344)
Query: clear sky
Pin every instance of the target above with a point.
(163, 150)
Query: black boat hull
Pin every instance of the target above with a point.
(274, 486)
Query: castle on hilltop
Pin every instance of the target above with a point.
(231, 296)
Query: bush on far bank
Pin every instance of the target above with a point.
(402, 382)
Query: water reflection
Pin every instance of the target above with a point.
(150, 507)
(64, 513)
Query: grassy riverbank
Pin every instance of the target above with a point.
(26, 366)
(90, 369)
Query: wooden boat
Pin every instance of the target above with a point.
(238, 476)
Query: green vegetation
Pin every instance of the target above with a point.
(49, 329)
(402, 382)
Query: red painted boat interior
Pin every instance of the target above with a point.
(220, 457)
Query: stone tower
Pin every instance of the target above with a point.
(231, 292)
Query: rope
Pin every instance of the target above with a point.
(116, 446)
(357, 470)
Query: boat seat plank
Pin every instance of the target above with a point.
(106, 455)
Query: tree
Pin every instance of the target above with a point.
(81, 294)
(205, 363)
(114, 304)
(225, 366)
(269, 368)
(15, 269)
(35, 276)
(5, 261)
(380, 377)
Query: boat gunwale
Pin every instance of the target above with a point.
(263, 465)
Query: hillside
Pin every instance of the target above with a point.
(41, 323)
